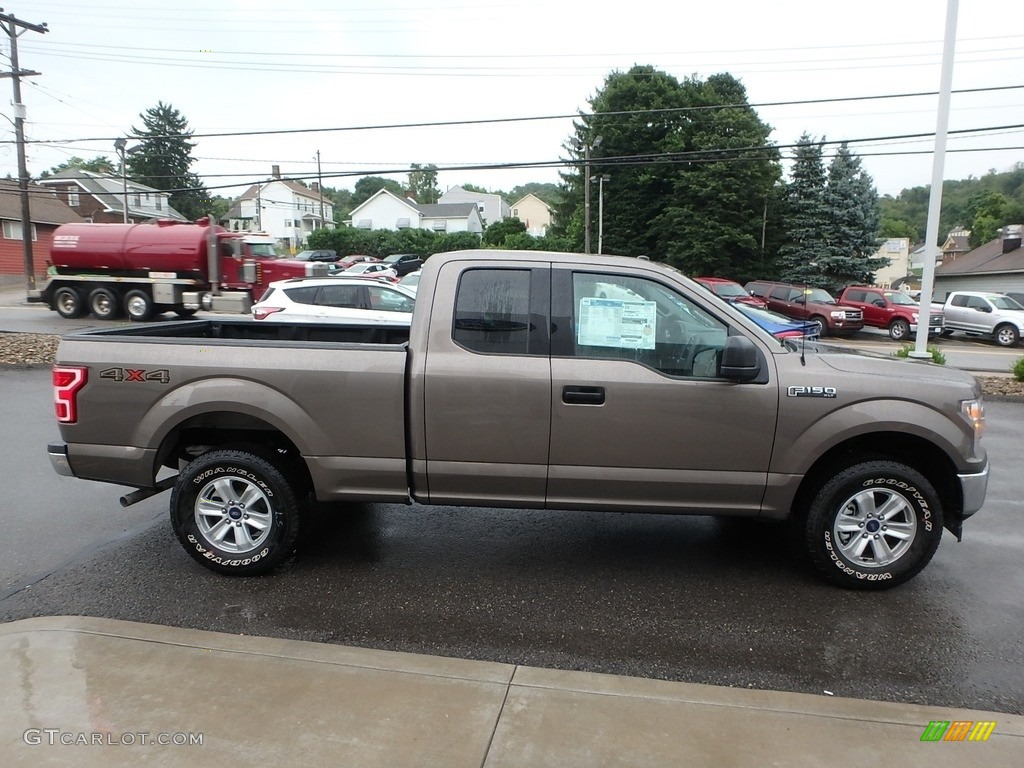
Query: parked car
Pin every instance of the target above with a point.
(376, 269)
(892, 310)
(983, 313)
(404, 263)
(325, 254)
(731, 291)
(347, 261)
(411, 280)
(336, 300)
(801, 302)
(779, 326)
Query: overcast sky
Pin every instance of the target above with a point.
(255, 65)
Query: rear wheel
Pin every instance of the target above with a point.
(1006, 336)
(138, 305)
(103, 303)
(873, 525)
(69, 303)
(899, 330)
(236, 512)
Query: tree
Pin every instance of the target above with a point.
(852, 240)
(805, 217)
(423, 183)
(497, 232)
(98, 164)
(163, 160)
(368, 186)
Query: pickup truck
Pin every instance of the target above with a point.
(984, 313)
(892, 310)
(525, 381)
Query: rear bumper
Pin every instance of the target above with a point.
(58, 453)
(118, 464)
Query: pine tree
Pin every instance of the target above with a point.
(164, 159)
(806, 219)
(849, 255)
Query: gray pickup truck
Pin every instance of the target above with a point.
(527, 380)
(984, 313)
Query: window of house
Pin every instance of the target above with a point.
(159, 202)
(492, 311)
(13, 230)
(633, 318)
(136, 199)
(72, 197)
(440, 225)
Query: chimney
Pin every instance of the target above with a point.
(314, 186)
(1011, 237)
(275, 171)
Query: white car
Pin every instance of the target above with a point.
(353, 300)
(370, 269)
(411, 281)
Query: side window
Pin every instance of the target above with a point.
(492, 311)
(631, 318)
(959, 301)
(859, 296)
(350, 296)
(306, 295)
(783, 293)
(386, 300)
(976, 302)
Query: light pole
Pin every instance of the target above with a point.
(586, 147)
(119, 145)
(600, 210)
(320, 188)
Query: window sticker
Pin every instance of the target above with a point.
(614, 323)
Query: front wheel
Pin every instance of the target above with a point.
(899, 330)
(138, 305)
(817, 323)
(873, 525)
(235, 512)
(1007, 336)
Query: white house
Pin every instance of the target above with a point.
(386, 210)
(896, 250)
(101, 197)
(284, 209)
(492, 208)
(534, 213)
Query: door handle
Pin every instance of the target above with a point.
(583, 395)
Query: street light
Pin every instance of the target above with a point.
(586, 147)
(600, 210)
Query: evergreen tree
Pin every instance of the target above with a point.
(164, 158)
(368, 186)
(805, 217)
(851, 241)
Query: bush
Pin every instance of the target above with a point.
(937, 357)
(1018, 370)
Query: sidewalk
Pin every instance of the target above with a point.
(88, 692)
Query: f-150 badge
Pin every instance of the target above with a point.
(799, 391)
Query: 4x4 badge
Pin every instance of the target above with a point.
(799, 391)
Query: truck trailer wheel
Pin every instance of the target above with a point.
(873, 525)
(899, 330)
(138, 305)
(235, 512)
(68, 302)
(104, 303)
(1006, 336)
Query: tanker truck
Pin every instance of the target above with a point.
(144, 269)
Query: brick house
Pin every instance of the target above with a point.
(47, 213)
(99, 198)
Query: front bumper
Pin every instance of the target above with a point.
(973, 488)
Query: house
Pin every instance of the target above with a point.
(896, 252)
(491, 207)
(386, 210)
(47, 213)
(283, 208)
(100, 198)
(958, 242)
(534, 213)
(997, 266)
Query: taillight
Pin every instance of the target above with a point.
(67, 380)
(262, 313)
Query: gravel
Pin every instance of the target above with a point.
(24, 349)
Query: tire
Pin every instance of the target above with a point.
(1006, 336)
(138, 305)
(819, 321)
(185, 313)
(899, 330)
(852, 546)
(69, 302)
(946, 332)
(104, 304)
(235, 512)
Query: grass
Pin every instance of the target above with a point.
(937, 357)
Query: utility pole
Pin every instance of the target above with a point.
(320, 188)
(11, 25)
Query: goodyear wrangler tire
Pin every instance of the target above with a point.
(235, 512)
(873, 525)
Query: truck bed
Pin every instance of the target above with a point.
(250, 330)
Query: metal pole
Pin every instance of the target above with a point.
(935, 197)
(600, 214)
(320, 188)
(586, 198)
(119, 145)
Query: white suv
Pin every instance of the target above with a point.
(351, 300)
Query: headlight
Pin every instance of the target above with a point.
(974, 412)
(913, 316)
(838, 315)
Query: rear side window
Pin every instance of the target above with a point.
(858, 296)
(350, 296)
(492, 311)
(305, 295)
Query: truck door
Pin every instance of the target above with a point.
(640, 418)
(486, 385)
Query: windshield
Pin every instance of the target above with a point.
(818, 296)
(1004, 302)
(728, 289)
(303, 255)
(263, 250)
(897, 297)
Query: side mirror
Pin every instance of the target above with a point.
(740, 360)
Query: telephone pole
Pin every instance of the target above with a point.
(11, 26)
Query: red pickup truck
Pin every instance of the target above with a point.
(893, 310)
